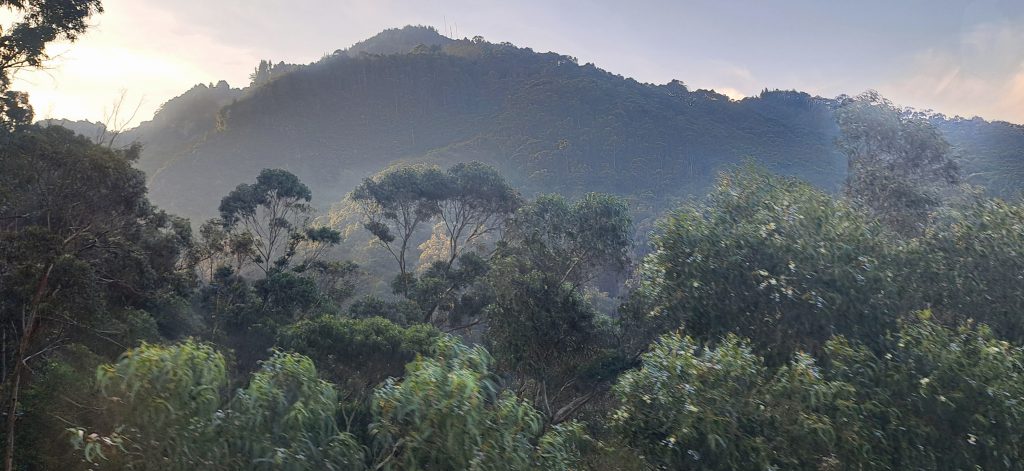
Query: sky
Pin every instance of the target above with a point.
(956, 57)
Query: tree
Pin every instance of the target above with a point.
(15, 110)
(286, 420)
(84, 257)
(162, 400)
(359, 354)
(168, 411)
(937, 398)
(539, 323)
(969, 263)
(36, 23)
(933, 398)
(219, 248)
(273, 213)
(773, 260)
(900, 167)
(573, 241)
(476, 202)
(448, 413)
(395, 203)
(694, 407)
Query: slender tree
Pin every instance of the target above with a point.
(274, 214)
(395, 203)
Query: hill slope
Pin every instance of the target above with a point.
(547, 122)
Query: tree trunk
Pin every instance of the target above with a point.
(19, 367)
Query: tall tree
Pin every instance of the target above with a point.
(274, 214)
(899, 166)
(167, 408)
(573, 241)
(476, 202)
(449, 413)
(540, 324)
(84, 257)
(395, 203)
(720, 408)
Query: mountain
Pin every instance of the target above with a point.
(398, 41)
(546, 121)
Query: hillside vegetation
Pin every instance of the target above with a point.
(544, 120)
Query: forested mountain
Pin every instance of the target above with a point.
(544, 120)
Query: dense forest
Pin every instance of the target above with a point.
(522, 283)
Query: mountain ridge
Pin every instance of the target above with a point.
(543, 119)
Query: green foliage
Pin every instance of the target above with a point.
(690, 407)
(34, 24)
(937, 398)
(249, 316)
(29, 25)
(773, 260)
(537, 326)
(272, 214)
(15, 110)
(169, 407)
(85, 259)
(900, 167)
(476, 201)
(401, 312)
(540, 324)
(940, 398)
(970, 264)
(451, 294)
(448, 413)
(359, 354)
(286, 420)
(573, 241)
(394, 204)
(59, 389)
(470, 201)
(163, 400)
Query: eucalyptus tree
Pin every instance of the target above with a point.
(476, 202)
(574, 241)
(933, 397)
(448, 412)
(395, 203)
(540, 324)
(691, 406)
(274, 214)
(167, 407)
(469, 200)
(968, 265)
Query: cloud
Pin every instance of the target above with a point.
(983, 75)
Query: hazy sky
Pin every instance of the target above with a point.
(958, 57)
